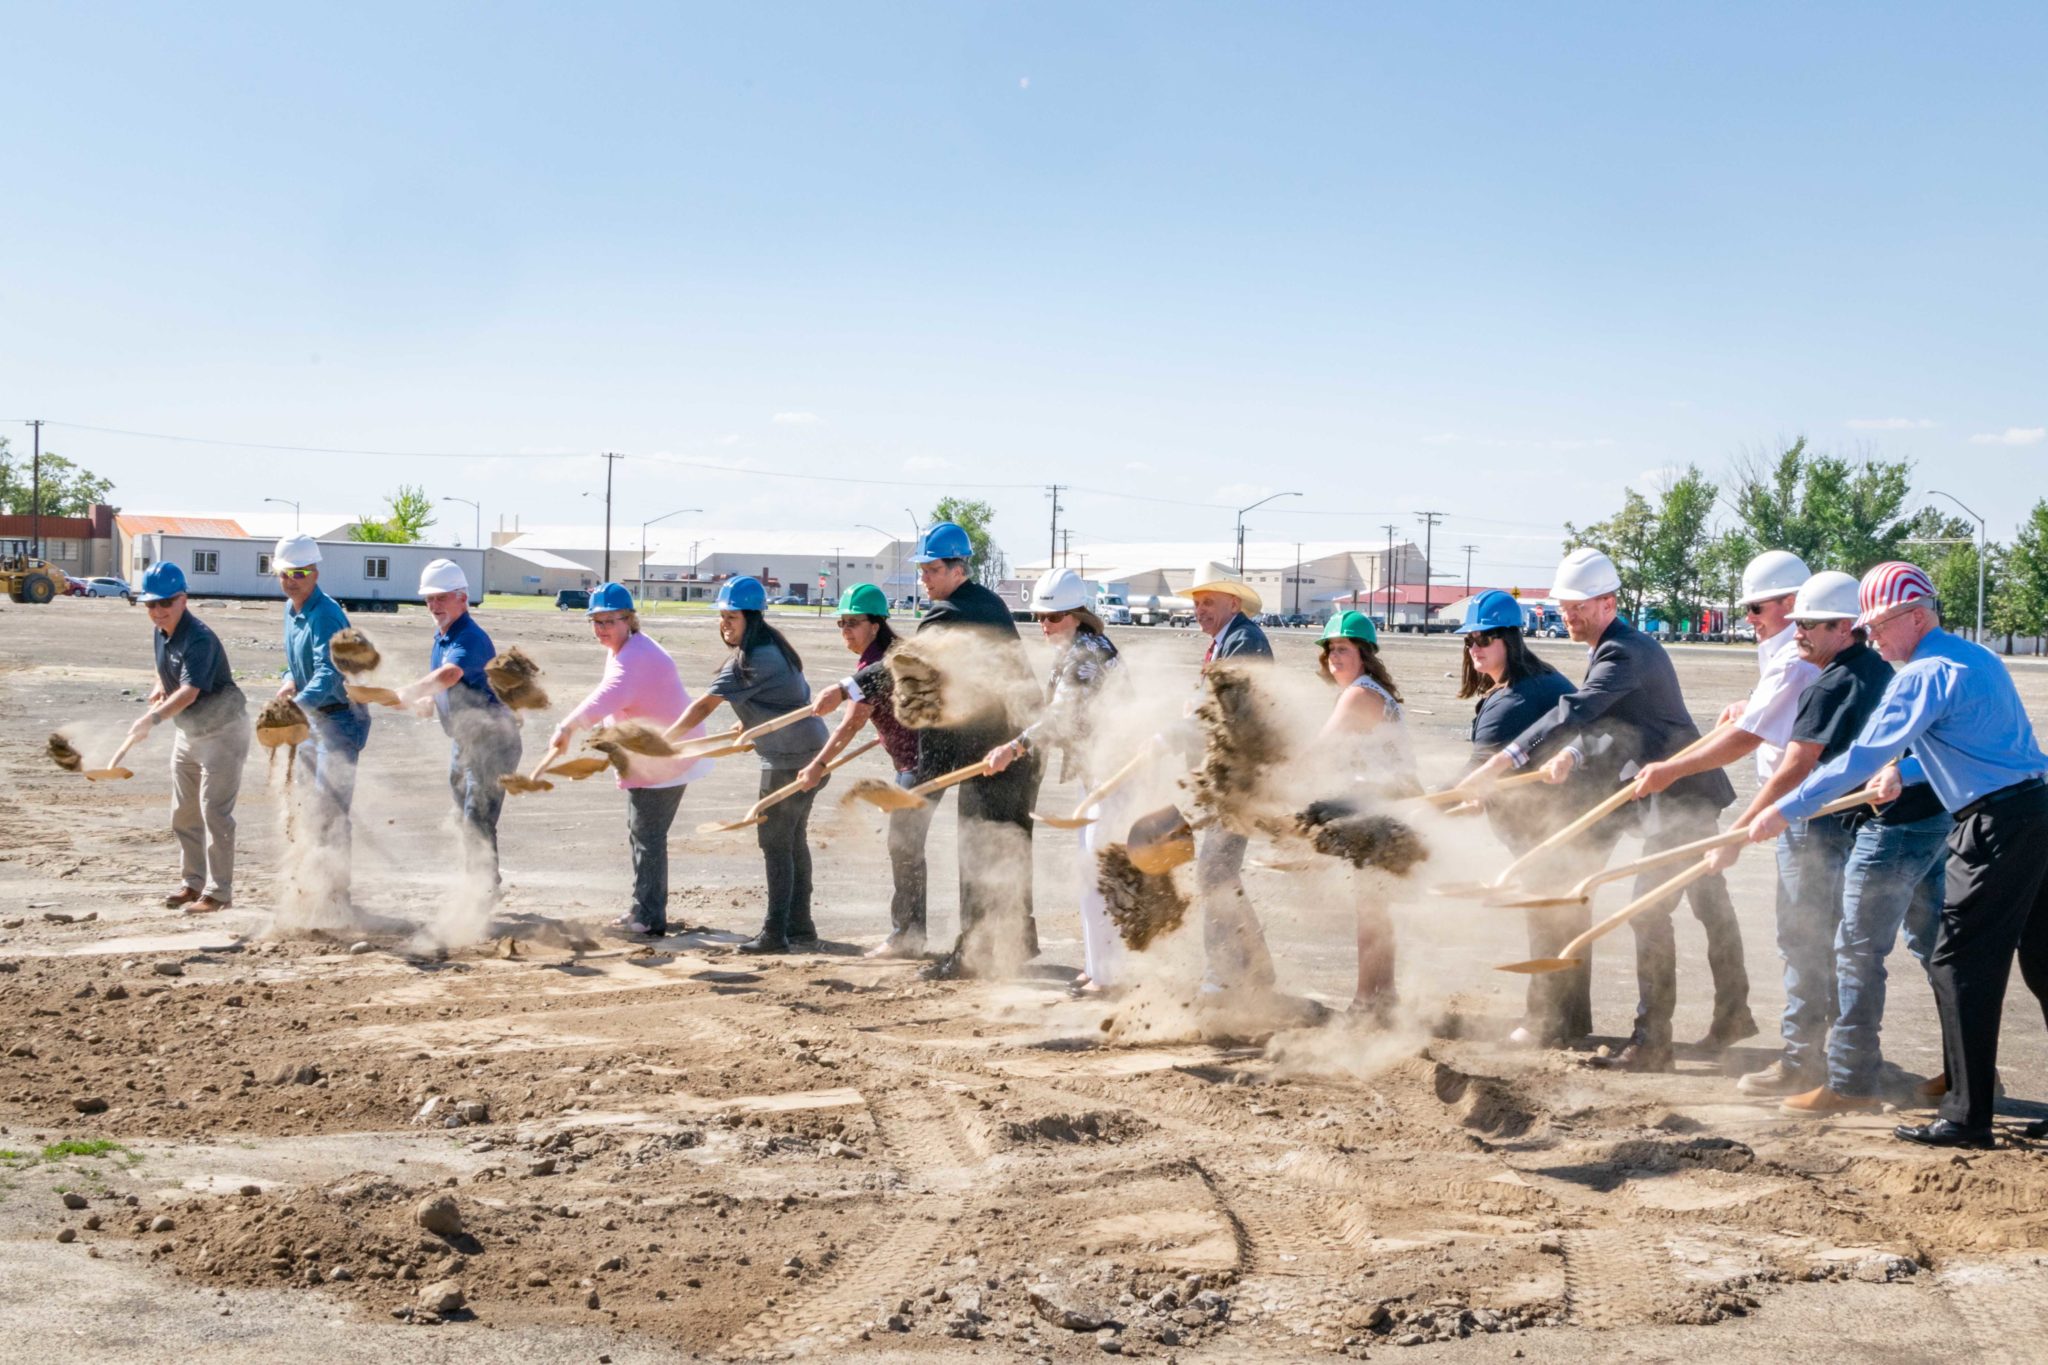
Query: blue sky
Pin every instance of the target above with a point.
(1494, 260)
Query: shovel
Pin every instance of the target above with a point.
(1451, 796)
(892, 798)
(1582, 891)
(372, 696)
(743, 737)
(518, 784)
(1160, 842)
(1574, 952)
(754, 814)
(1621, 797)
(1080, 819)
(113, 772)
(576, 769)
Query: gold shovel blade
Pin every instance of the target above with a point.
(518, 784)
(107, 775)
(877, 792)
(371, 696)
(576, 769)
(1537, 966)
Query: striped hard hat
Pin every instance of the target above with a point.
(1891, 585)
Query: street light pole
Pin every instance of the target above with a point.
(479, 516)
(643, 543)
(1240, 524)
(295, 511)
(896, 558)
(1982, 546)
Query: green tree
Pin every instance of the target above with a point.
(974, 517)
(1629, 539)
(2020, 606)
(1833, 512)
(67, 489)
(410, 513)
(1946, 546)
(1674, 571)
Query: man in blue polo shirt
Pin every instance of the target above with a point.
(484, 732)
(195, 690)
(340, 727)
(1954, 704)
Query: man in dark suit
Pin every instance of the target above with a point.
(1232, 942)
(997, 931)
(1629, 711)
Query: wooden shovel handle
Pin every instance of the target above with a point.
(1680, 852)
(122, 752)
(769, 727)
(1621, 798)
(1451, 796)
(1662, 891)
(1114, 780)
(952, 779)
(704, 745)
(791, 789)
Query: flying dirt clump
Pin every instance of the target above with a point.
(1361, 838)
(282, 722)
(63, 755)
(617, 742)
(1144, 906)
(918, 687)
(1241, 740)
(353, 653)
(513, 676)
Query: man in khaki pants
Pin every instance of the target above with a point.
(195, 691)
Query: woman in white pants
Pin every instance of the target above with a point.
(1085, 666)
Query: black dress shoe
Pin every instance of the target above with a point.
(805, 939)
(1727, 1032)
(2037, 1130)
(1943, 1133)
(1636, 1057)
(764, 943)
(951, 967)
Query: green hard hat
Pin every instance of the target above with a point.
(1352, 625)
(863, 599)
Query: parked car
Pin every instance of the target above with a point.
(102, 587)
(788, 599)
(572, 599)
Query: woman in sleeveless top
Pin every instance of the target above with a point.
(1367, 717)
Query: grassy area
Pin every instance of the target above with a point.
(656, 607)
(69, 1147)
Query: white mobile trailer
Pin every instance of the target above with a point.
(360, 575)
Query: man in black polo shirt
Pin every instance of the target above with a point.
(1890, 870)
(195, 690)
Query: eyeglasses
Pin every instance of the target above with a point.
(1818, 625)
(296, 573)
(1053, 617)
(607, 620)
(1480, 639)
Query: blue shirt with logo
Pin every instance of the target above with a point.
(307, 630)
(465, 645)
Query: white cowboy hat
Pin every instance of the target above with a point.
(1218, 577)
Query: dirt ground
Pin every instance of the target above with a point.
(663, 1152)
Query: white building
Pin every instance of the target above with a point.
(688, 564)
(1307, 577)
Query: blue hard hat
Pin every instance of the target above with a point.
(1491, 610)
(162, 581)
(744, 593)
(610, 597)
(946, 540)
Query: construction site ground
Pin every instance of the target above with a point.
(673, 1152)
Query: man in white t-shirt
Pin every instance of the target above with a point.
(1811, 856)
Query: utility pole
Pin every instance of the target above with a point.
(1387, 575)
(1297, 578)
(1066, 545)
(609, 460)
(1469, 550)
(1429, 520)
(1240, 523)
(1052, 550)
(35, 497)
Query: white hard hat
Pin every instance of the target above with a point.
(1060, 590)
(1827, 596)
(1774, 573)
(443, 575)
(1585, 573)
(295, 552)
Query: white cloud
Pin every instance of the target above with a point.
(2011, 436)
(731, 438)
(1555, 443)
(1889, 423)
(925, 464)
(797, 419)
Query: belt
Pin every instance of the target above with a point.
(1983, 803)
(335, 708)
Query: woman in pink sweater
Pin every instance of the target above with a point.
(640, 683)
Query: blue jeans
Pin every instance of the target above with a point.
(338, 740)
(1811, 858)
(485, 748)
(1894, 877)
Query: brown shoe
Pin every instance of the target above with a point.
(1935, 1086)
(205, 905)
(1825, 1104)
(180, 898)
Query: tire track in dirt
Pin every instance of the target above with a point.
(923, 1138)
(2002, 1311)
(1616, 1277)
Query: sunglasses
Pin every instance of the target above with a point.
(1480, 639)
(1054, 616)
(296, 573)
(1817, 625)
